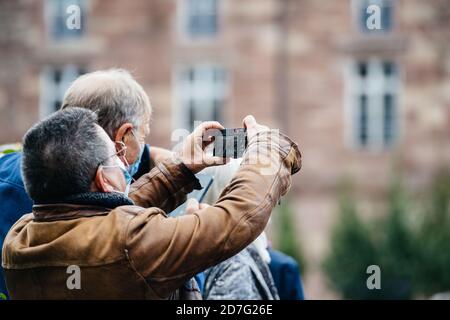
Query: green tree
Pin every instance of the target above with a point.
(397, 247)
(414, 261)
(287, 241)
(352, 250)
(433, 239)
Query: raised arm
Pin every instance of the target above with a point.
(168, 183)
(168, 251)
(165, 186)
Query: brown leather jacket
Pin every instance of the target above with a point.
(137, 251)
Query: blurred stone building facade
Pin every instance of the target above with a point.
(363, 104)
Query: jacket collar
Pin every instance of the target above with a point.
(79, 205)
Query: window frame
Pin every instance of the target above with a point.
(376, 86)
(182, 24)
(357, 6)
(51, 92)
(183, 92)
(50, 15)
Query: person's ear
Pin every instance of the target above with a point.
(101, 181)
(122, 132)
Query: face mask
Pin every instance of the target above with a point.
(128, 179)
(133, 168)
(127, 175)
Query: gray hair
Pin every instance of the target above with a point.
(113, 94)
(61, 155)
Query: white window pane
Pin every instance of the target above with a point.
(54, 83)
(201, 17)
(373, 86)
(201, 93)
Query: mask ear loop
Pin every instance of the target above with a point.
(124, 148)
(126, 163)
(123, 156)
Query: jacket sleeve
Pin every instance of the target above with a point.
(168, 251)
(165, 186)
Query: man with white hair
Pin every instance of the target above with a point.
(123, 110)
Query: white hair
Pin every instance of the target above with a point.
(114, 95)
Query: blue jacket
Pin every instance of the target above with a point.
(286, 275)
(14, 201)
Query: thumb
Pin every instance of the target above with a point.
(249, 121)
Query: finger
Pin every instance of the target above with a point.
(249, 121)
(192, 206)
(208, 125)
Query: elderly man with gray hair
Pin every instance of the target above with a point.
(123, 110)
(84, 222)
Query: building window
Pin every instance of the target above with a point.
(60, 18)
(201, 93)
(54, 83)
(364, 17)
(373, 89)
(201, 18)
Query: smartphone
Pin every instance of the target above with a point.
(206, 181)
(230, 143)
